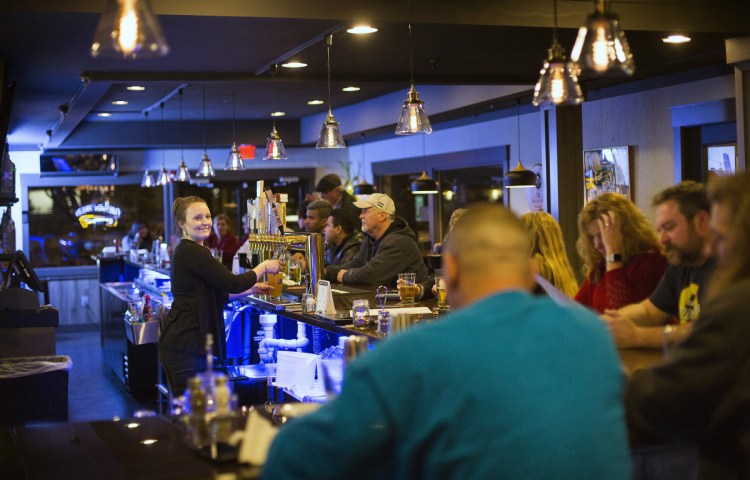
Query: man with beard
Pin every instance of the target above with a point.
(666, 317)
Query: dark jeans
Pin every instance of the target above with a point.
(179, 367)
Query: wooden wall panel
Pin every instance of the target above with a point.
(66, 294)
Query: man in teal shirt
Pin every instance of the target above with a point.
(508, 386)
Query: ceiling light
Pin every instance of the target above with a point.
(413, 117)
(557, 84)
(315, 102)
(362, 30)
(278, 114)
(205, 169)
(136, 88)
(111, 164)
(148, 180)
(330, 133)
(601, 45)
(234, 162)
(294, 65)
(275, 146)
(519, 177)
(120, 102)
(128, 29)
(676, 39)
(183, 173)
(103, 114)
(351, 88)
(362, 188)
(424, 185)
(164, 176)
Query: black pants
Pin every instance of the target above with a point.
(179, 367)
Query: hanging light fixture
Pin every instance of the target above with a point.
(330, 134)
(275, 147)
(183, 173)
(234, 162)
(519, 177)
(128, 29)
(164, 177)
(413, 118)
(363, 188)
(148, 180)
(424, 184)
(557, 83)
(205, 169)
(601, 45)
(111, 164)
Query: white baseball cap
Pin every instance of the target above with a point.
(378, 200)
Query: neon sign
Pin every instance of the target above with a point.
(98, 214)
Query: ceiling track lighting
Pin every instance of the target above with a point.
(275, 146)
(206, 168)
(234, 162)
(413, 117)
(557, 84)
(330, 133)
(164, 176)
(519, 177)
(601, 46)
(148, 180)
(128, 29)
(183, 173)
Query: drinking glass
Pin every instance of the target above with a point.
(217, 254)
(295, 271)
(407, 288)
(274, 280)
(440, 292)
(361, 313)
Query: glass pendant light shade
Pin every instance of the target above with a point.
(424, 185)
(601, 45)
(330, 134)
(234, 162)
(520, 177)
(128, 29)
(164, 177)
(205, 169)
(111, 164)
(557, 84)
(363, 188)
(182, 174)
(413, 117)
(275, 147)
(148, 180)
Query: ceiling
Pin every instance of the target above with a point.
(225, 47)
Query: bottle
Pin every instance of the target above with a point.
(9, 232)
(148, 309)
(197, 419)
(222, 399)
(8, 179)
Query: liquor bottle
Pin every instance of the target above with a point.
(8, 179)
(9, 232)
(197, 418)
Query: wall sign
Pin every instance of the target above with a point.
(98, 214)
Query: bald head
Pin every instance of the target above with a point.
(486, 252)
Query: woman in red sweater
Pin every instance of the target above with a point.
(622, 258)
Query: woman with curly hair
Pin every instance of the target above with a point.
(622, 258)
(548, 251)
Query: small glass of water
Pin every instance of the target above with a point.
(361, 313)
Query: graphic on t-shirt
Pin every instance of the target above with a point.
(689, 307)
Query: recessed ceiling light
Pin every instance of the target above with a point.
(136, 88)
(120, 102)
(149, 441)
(294, 65)
(104, 114)
(351, 88)
(277, 114)
(676, 39)
(362, 29)
(315, 102)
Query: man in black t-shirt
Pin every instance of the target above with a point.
(682, 222)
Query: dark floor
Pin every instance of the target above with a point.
(94, 391)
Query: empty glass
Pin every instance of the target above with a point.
(361, 313)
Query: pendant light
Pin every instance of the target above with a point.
(234, 162)
(128, 29)
(111, 164)
(275, 147)
(413, 117)
(164, 177)
(601, 45)
(362, 188)
(205, 169)
(330, 134)
(519, 177)
(424, 185)
(557, 84)
(148, 180)
(183, 173)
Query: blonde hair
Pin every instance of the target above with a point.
(637, 234)
(179, 210)
(548, 251)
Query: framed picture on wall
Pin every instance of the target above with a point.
(721, 159)
(607, 170)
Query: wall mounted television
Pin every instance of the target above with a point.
(55, 164)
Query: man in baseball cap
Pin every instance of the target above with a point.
(330, 188)
(389, 247)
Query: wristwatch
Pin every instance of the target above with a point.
(614, 258)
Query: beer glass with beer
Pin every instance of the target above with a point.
(441, 293)
(407, 288)
(295, 270)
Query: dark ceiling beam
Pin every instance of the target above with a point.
(85, 101)
(294, 51)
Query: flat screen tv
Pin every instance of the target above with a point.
(79, 163)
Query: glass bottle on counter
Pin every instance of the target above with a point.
(8, 232)
(197, 428)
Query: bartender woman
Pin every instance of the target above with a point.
(200, 286)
